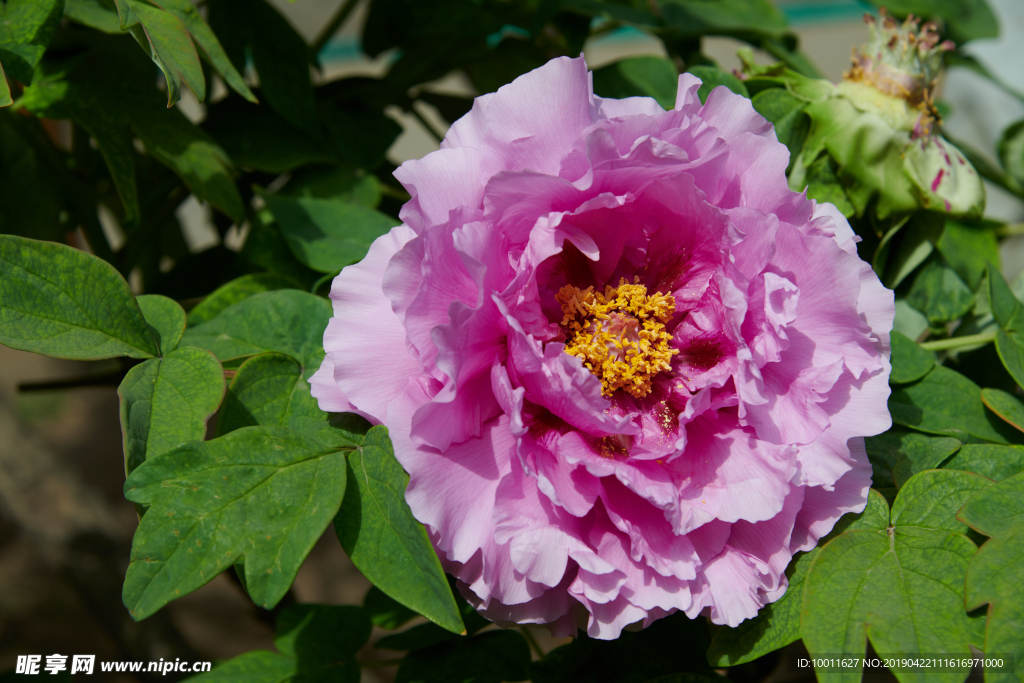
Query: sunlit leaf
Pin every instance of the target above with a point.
(264, 494)
(58, 301)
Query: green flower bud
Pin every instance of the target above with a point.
(879, 125)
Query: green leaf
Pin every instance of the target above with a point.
(778, 623)
(334, 182)
(633, 656)
(31, 198)
(998, 510)
(58, 301)
(931, 499)
(317, 643)
(1011, 151)
(920, 453)
(324, 234)
(1005, 405)
(184, 148)
(5, 90)
(490, 657)
(268, 389)
(278, 52)
(166, 320)
(786, 113)
(287, 321)
(909, 321)
(450, 107)
(258, 666)
(100, 114)
(823, 185)
(639, 76)
(25, 30)
(746, 19)
(235, 291)
(265, 248)
(384, 611)
(916, 244)
(947, 403)
(968, 249)
(324, 639)
(1007, 310)
(383, 539)
(93, 13)
(170, 46)
(995, 462)
(940, 294)
(264, 494)
(903, 588)
(900, 584)
(993, 576)
(1006, 307)
(909, 361)
(361, 135)
(712, 76)
(207, 42)
(888, 449)
(167, 401)
(260, 139)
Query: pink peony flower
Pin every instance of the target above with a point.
(628, 370)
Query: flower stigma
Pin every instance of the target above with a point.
(620, 335)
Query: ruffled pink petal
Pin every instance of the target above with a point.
(325, 390)
(452, 492)
(822, 508)
(729, 474)
(551, 503)
(520, 135)
(439, 183)
(366, 375)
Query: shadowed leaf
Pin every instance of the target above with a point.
(165, 318)
(268, 389)
(638, 76)
(988, 460)
(909, 361)
(287, 321)
(25, 30)
(1006, 406)
(383, 539)
(326, 234)
(234, 292)
(947, 403)
(169, 45)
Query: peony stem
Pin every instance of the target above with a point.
(1010, 229)
(959, 342)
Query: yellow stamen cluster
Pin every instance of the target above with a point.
(620, 335)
